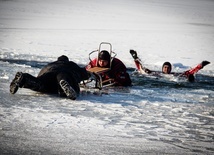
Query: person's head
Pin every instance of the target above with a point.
(166, 68)
(63, 58)
(104, 59)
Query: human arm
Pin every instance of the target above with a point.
(119, 73)
(138, 63)
(91, 64)
(189, 74)
(194, 70)
(122, 78)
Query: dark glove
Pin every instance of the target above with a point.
(134, 54)
(204, 63)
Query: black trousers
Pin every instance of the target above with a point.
(49, 82)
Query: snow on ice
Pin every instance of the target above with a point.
(151, 117)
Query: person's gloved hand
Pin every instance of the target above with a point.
(134, 54)
(204, 63)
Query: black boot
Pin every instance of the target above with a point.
(16, 83)
(68, 90)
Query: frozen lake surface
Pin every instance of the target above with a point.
(154, 116)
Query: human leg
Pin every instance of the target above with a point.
(67, 86)
(25, 80)
(68, 90)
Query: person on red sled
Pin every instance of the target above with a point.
(117, 72)
(167, 68)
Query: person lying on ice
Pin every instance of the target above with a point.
(61, 76)
(117, 72)
(167, 67)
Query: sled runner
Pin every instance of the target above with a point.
(97, 72)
